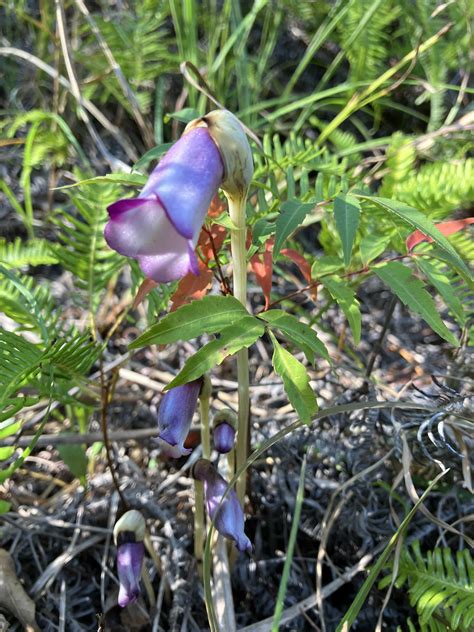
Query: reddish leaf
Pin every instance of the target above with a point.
(262, 267)
(145, 288)
(298, 260)
(218, 234)
(217, 207)
(192, 287)
(445, 228)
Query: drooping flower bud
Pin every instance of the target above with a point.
(175, 416)
(228, 517)
(229, 136)
(129, 533)
(223, 435)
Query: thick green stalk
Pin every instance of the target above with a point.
(238, 236)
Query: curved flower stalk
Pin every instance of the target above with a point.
(228, 517)
(175, 416)
(129, 533)
(160, 228)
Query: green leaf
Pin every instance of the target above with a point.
(4, 506)
(151, 154)
(346, 214)
(9, 427)
(443, 284)
(325, 265)
(207, 316)
(415, 218)
(130, 179)
(242, 333)
(300, 334)
(291, 215)
(371, 246)
(183, 116)
(6, 452)
(345, 298)
(74, 456)
(295, 380)
(412, 293)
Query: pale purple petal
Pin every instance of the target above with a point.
(228, 517)
(223, 437)
(170, 266)
(129, 565)
(186, 179)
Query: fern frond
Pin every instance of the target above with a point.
(438, 188)
(18, 254)
(439, 586)
(19, 359)
(401, 156)
(82, 248)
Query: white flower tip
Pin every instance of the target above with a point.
(132, 521)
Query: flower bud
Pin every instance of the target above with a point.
(175, 416)
(129, 533)
(223, 435)
(228, 134)
(228, 517)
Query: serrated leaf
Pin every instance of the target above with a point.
(291, 215)
(242, 333)
(415, 218)
(444, 286)
(207, 316)
(346, 214)
(300, 334)
(295, 380)
(413, 294)
(345, 298)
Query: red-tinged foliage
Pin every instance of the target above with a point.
(192, 287)
(145, 288)
(300, 261)
(218, 234)
(216, 208)
(445, 228)
(262, 267)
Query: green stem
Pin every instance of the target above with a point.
(238, 235)
(199, 515)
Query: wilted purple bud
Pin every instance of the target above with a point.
(129, 532)
(161, 227)
(174, 417)
(228, 517)
(223, 434)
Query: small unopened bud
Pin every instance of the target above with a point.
(129, 533)
(228, 134)
(228, 516)
(175, 416)
(225, 422)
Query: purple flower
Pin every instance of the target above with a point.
(129, 533)
(175, 415)
(228, 517)
(129, 565)
(223, 437)
(161, 227)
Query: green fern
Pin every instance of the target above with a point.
(368, 53)
(401, 156)
(82, 248)
(438, 188)
(19, 254)
(440, 587)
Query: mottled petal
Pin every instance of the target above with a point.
(129, 565)
(186, 180)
